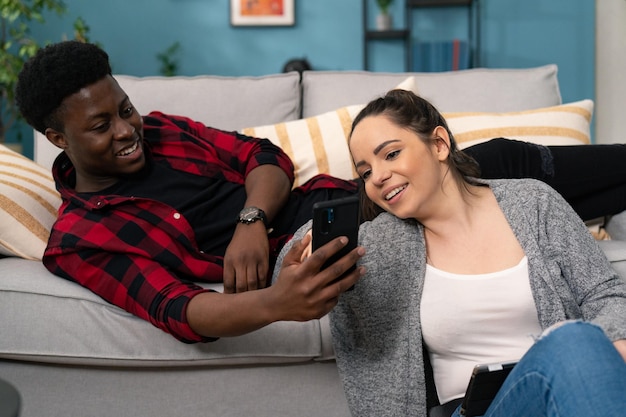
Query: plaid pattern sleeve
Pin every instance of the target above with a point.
(326, 181)
(140, 257)
(195, 148)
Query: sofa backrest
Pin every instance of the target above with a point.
(234, 103)
(479, 89)
(229, 103)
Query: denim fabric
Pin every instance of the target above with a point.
(572, 370)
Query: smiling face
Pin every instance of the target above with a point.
(403, 174)
(102, 135)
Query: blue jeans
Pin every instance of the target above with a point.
(573, 370)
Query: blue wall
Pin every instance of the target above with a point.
(328, 33)
(513, 34)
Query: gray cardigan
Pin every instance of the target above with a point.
(376, 327)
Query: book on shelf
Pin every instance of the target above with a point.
(437, 56)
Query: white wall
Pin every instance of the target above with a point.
(610, 110)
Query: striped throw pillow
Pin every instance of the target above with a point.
(28, 205)
(318, 144)
(566, 124)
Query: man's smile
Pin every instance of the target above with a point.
(128, 150)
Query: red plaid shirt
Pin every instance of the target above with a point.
(141, 254)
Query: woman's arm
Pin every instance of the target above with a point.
(589, 284)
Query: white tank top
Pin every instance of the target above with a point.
(475, 319)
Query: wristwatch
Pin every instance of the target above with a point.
(251, 214)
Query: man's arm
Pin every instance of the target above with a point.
(137, 284)
(193, 314)
(267, 174)
(246, 261)
(302, 292)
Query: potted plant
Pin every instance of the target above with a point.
(17, 46)
(384, 20)
(169, 60)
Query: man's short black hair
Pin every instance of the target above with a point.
(54, 73)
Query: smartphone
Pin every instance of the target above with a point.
(483, 386)
(334, 218)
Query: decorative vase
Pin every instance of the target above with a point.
(384, 21)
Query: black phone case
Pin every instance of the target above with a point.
(484, 384)
(333, 218)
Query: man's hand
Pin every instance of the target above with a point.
(620, 345)
(302, 292)
(246, 261)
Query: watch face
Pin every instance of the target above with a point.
(251, 214)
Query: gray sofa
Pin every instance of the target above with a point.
(69, 353)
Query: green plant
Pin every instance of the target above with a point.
(384, 5)
(17, 45)
(169, 60)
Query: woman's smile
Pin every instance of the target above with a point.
(396, 191)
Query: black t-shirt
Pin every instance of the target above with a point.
(211, 206)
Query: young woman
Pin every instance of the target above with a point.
(463, 271)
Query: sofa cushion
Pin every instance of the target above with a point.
(615, 251)
(567, 124)
(79, 327)
(479, 89)
(227, 103)
(318, 144)
(616, 226)
(28, 205)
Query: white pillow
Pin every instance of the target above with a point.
(566, 124)
(28, 205)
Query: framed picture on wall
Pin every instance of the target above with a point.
(262, 12)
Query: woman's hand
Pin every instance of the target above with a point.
(308, 249)
(246, 261)
(620, 345)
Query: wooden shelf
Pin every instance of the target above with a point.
(403, 35)
(437, 3)
(387, 34)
